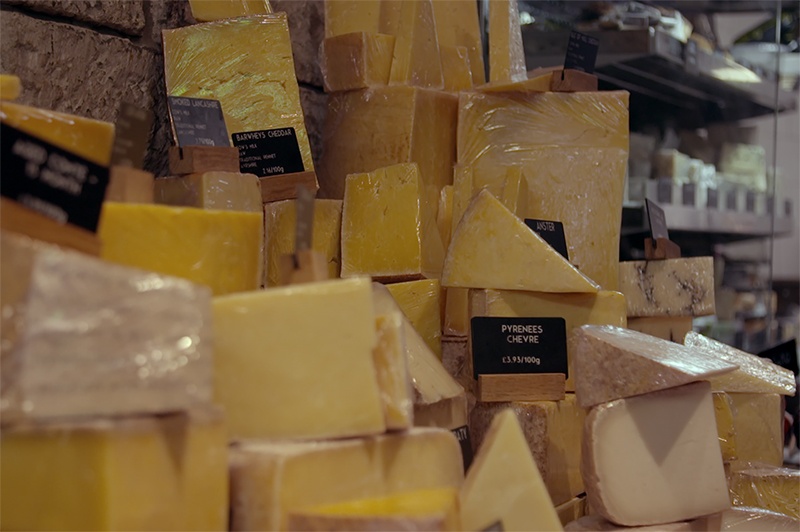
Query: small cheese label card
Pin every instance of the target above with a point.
(518, 345)
(730, 200)
(269, 152)
(712, 198)
(462, 435)
(51, 181)
(581, 52)
(657, 219)
(689, 192)
(131, 132)
(750, 201)
(551, 232)
(784, 355)
(197, 122)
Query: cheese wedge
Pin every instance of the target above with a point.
(456, 314)
(724, 413)
(492, 248)
(307, 348)
(444, 215)
(356, 61)
(350, 16)
(457, 25)
(394, 381)
(672, 329)
(456, 70)
(750, 519)
(209, 10)
(270, 479)
(420, 302)
(226, 191)
(611, 363)
(773, 488)
(670, 439)
(650, 286)
(504, 484)
(755, 374)
(416, 51)
(10, 87)
(506, 54)
(758, 424)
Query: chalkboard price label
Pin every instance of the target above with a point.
(462, 435)
(551, 232)
(581, 52)
(784, 355)
(198, 122)
(269, 152)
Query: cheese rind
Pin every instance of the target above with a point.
(211, 190)
(389, 355)
(492, 248)
(773, 488)
(210, 10)
(416, 50)
(650, 287)
(611, 363)
(506, 54)
(758, 424)
(672, 329)
(356, 61)
(670, 443)
(420, 301)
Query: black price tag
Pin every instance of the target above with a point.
(50, 180)
(551, 232)
(269, 152)
(581, 52)
(657, 219)
(664, 190)
(784, 355)
(198, 122)
(712, 198)
(518, 345)
(730, 200)
(462, 435)
(688, 191)
(750, 201)
(130, 136)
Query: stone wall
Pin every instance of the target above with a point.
(86, 56)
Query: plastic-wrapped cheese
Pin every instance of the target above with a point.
(356, 61)
(208, 10)
(228, 191)
(773, 488)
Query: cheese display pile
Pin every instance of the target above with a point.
(174, 379)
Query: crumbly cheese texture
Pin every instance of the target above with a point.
(420, 301)
(91, 139)
(258, 91)
(280, 219)
(306, 347)
(270, 480)
(356, 60)
(602, 308)
(129, 473)
(755, 374)
(669, 439)
(390, 201)
(219, 249)
(492, 248)
(573, 149)
(772, 488)
(209, 10)
(350, 16)
(671, 287)
(10, 87)
(611, 363)
(416, 50)
(724, 413)
(394, 381)
(673, 329)
(457, 26)
(758, 424)
(506, 53)
(226, 191)
(504, 484)
(552, 430)
(83, 337)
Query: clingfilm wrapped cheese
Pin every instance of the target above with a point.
(773, 488)
(356, 61)
(229, 191)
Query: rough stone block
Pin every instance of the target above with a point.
(315, 105)
(123, 16)
(307, 28)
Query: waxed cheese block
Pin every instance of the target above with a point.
(126, 473)
(228, 191)
(669, 438)
(673, 329)
(258, 91)
(755, 374)
(219, 249)
(611, 363)
(394, 381)
(457, 26)
(758, 424)
(209, 10)
(420, 302)
(280, 219)
(503, 487)
(389, 201)
(492, 248)
(349, 16)
(724, 413)
(506, 53)
(356, 138)
(416, 50)
(271, 479)
(456, 71)
(84, 337)
(10, 87)
(602, 308)
(90, 139)
(773, 488)
(305, 347)
(356, 60)
(553, 432)
(671, 287)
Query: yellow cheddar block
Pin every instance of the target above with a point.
(506, 54)
(306, 347)
(420, 302)
(463, 192)
(492, 248)
(91, 139)
(356, 61)
(724, 412)
(228, 191)
(258, 91)
(515, 191)
(457, 25)
(673, 329)
(210, 10)
(758, 424)
(573, 150)
(456, 71)
(219, 249)
(389, 356)
(356, 138)
(10, 87)
(456, 314)
(431, 509)
(389, 19)
(131, 473)
(351, 16)
(553, 431)
(773, 488)
(280, 219)
(389, 201)
(416, 50)
(602, 308)
(444, 216)
(270, 479)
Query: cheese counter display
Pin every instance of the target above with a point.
(432, 332)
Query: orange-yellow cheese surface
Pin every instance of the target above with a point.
(506, 54)
(10, 87)
(349, 16)
(208, 10)
(416, 51)
(356, 60)
(457, 25)
(420, 301)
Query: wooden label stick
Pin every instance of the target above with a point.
(304, 265)
(658, 246)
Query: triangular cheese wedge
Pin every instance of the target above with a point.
(416, 48)
(506, 53)
(492, 248)
(755, 374)
(613, 363)
(503, 487)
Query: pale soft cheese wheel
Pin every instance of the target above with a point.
(611, 363)
(503, 487)
(389, 355)
(225, 191)
(654, 458)
(219, 249)
(492, 248)
(296, 362)
(420, 301)
(271, 479)
(506, 53)
(209, 10)
(673, 329)
(356, 60)
(671, 287)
